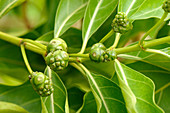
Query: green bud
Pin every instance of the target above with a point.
(40, 82)
(60, 62)
(56, 44)
(121, 23)
(166, 6)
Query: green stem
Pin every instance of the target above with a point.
(77, 59)
(25, 58)
(35, 43)
(17, 41)
(107, 36)
(118, 35)
(147, 44)
(157, 52)
(154, 27)
(79, 55)
(78, 68)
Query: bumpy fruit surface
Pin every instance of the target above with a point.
(41, 84)
(166, 6)
(97, 52)
(56, 44)
(121, 23)
(57, 60)
(111, 55)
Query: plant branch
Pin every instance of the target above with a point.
(147, 44)
(35, 43)
(118, 35)
(107, 36)
(17, 41)
(79, 55)
(25, 58)
(154, 27)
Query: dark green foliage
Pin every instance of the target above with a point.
(41, 83)
(166, 6)
(121, 23)
(57, 44)
(57, 60)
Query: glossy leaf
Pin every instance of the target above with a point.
(7, 5)
(89, 104)
(68, 12)
(141, 9)
(6, 107)
(107, 94)
(57, 101)
(139, 88)
(161, 80)
(96, 14)
(23, 96)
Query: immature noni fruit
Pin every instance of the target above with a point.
(56, 44)
(111, 55)
(121, 23)
(166, 6)
(41, 84)
(57, 60)
(97, 52)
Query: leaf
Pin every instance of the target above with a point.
(6, 107)
(152, 58)
(23, 96)
(24, 18)
(13, 71)
(141, 9)
(7, 5)
(96, 14)
(161, 80)
(139, 86)
(68, 12)
(57, 101)
(75, 98)
(89, 104)
(106, 93)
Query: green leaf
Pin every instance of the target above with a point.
(161, 60)
(161, 80)
(96, 14)
(7, 5)
(6, 107)
(24, 18)
(68, 12)
(23, 96)
(106, 93)
(75, 98)
(89, 104)
(13, 71)
(138, 88)
(58, 100)
(141, 9)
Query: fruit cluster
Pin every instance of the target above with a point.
(98, 53)
(41, 84)
(121, 23)
(57, 57)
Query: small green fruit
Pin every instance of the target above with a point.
(97, 52)
(111, 55)
(57, 60)
(56, 44)
(39, 81)
(166, 6)
(121, 23)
